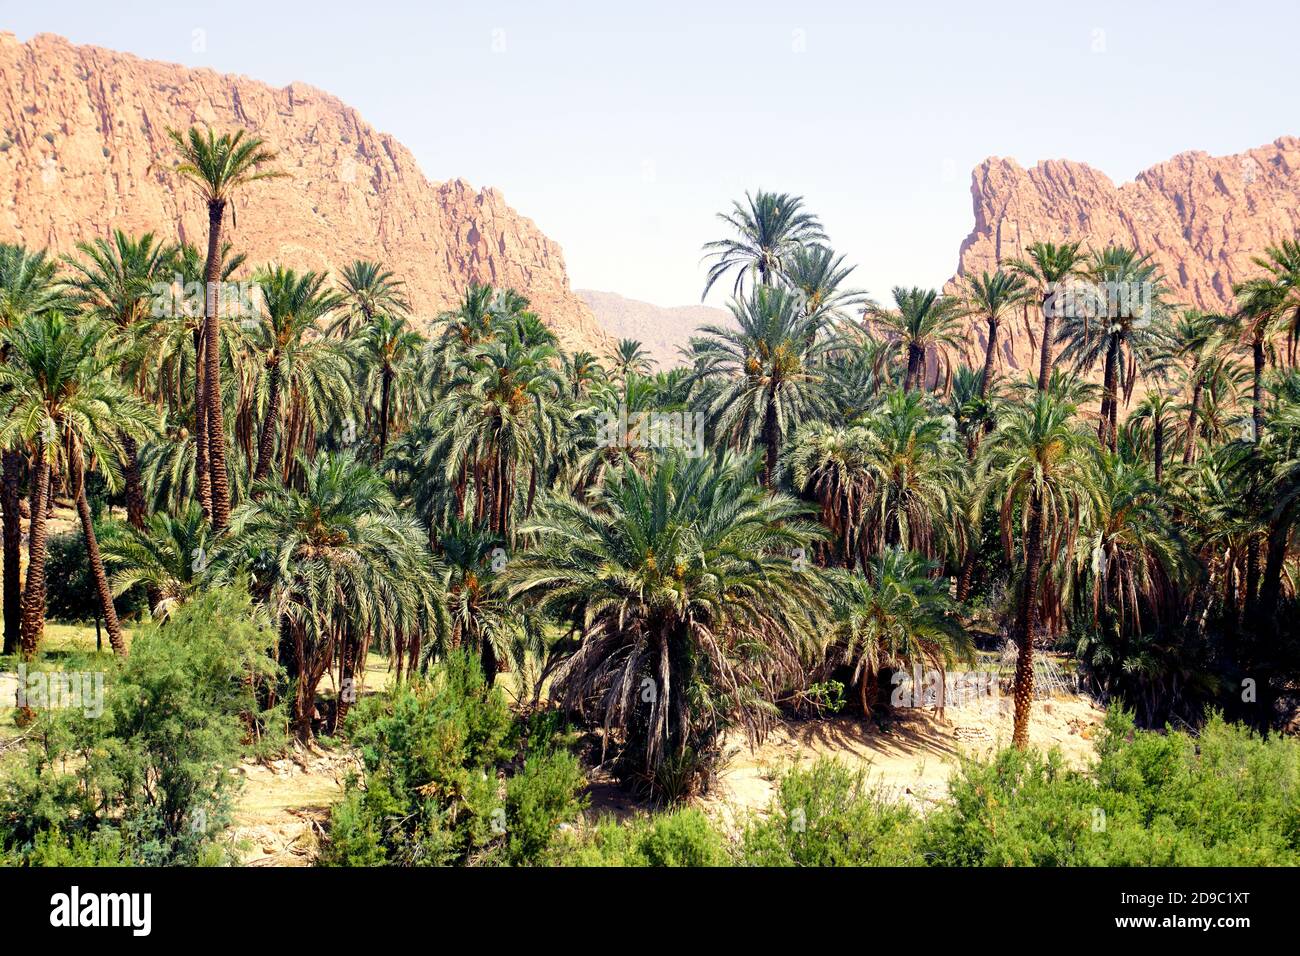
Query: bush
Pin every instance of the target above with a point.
(71, 594)
(679, 838)
(828, 816)
(435, 754)
(147, 779)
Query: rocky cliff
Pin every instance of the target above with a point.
(84, 149)
(1201, 217)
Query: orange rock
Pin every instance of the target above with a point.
(84, 149)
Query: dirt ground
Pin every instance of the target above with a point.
(912, 759)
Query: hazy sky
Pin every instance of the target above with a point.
(622, 128)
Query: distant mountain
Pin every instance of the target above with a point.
(661, 330)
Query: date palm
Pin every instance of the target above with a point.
(220, 167)
(1121, 323)
(29, 286)
(819, 276)
(688, 610)
(170, 558)
(1051, 268)
(123, 282)
(1040, 466)
(764, 376)
(342, 567)
(387, 348)
(769, 228)
(896, 614)
(922, 321)
(288, 334)
(368, 290)
(62, 399)
(629, 358)
(992, 298)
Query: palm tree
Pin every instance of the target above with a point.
(121, 282)
(387, 346)
(629, 358)
(293, 305)
(763, 374)
(1157, 411)
(816, 274)
(169, 558)
(769, 228)
(992, 297)
(342, 568)
(1121, 323)
(689, 610)
(912, 477)
(921, 320)
(1051, 268)
(1039, 464)
(1264, 303)
(369, 290)
(62, 400)
(827, 466)
(897, 614)
(219, 167)
(29, 286)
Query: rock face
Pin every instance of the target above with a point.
(84, 149)
(1201, 217)
(662, 331)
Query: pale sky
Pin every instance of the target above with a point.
(622, 128)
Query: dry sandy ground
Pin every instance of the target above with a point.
(913, 759)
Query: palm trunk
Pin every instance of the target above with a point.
(771, 441)
(1257, 391)
(111, 622)
(135, 506)
(915, 368)
(216, 423)
(1049, 330)
(33, 624)
(989, 351)
(1190, 451)
(1108, 397)
(385, 392)
(266, 443)
(10, 502)
(202, 475)
(1026, 625)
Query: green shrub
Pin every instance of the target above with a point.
(827, 815)
(147, 779)
(434, 753)
(680, 838)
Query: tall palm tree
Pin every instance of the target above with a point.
(921, 320)
(62, 399)
(120, 282)
(387, 346)
(1051, 268)
(769, 227)
(368, 290)
(219, 166)
(819, 276)
(29, 286)
(1040, 466)
(1263, 305)
(1157, 412)
(343, 568)
(1121, 323)
(689, 611)
(992, 297)
(293, 307)
(896, 614)
(629, 358)
(764, 373)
